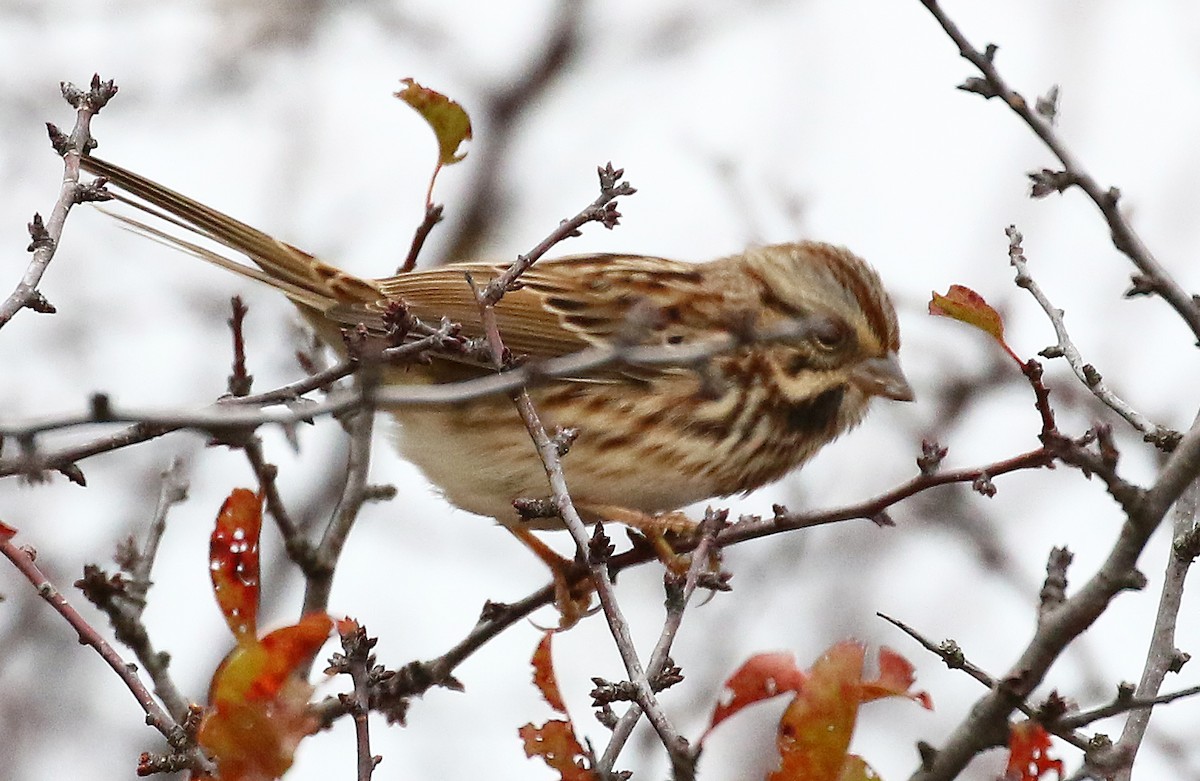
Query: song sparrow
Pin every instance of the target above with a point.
(650, 439)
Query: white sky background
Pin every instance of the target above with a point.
(738, 123)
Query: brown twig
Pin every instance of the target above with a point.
(954, 658)
(32, 462)
(319, 582)
(496, 618)
(358, 662)
(230, 414)
(602, 210)
(156, 717)
(433, 215)
(126, 614)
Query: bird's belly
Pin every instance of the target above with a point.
(484, 459)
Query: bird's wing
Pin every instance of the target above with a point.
(564, 304)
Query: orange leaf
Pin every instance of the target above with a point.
(857, 769)
(260, 707)
(965, 305)
(448, 119)
(556, 744)
(761, 677)
(258, 669)
(815, 730)
(233, 561)
(543, 675)
(1028, 743)
(256, 741)
(895, 679)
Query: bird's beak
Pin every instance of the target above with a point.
(882, 377)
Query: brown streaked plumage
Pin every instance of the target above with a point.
(651, 439)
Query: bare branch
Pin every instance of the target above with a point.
(1152, 277)
(1162, 656)
(156, 717)
(1161, 436)
(45, 237)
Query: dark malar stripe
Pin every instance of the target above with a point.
(818, 414)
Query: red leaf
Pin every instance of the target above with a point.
(761, 677)
(965, 305)
(1028, 743)
(895, 679)
(815, 730)
(554, 741)
(233, 561)
(556, 744)
(543, 675)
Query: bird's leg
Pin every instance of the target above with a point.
(656, 527)
(572, 592)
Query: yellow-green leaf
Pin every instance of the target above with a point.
(448, 119)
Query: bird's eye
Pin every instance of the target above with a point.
(831, 334)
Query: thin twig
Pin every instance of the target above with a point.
(497, 618)
(1153, 278)
(675, 744)
(433, 215)
(320, 580)
(126, 614)
(602, 210)
(33, 461)
(1125, 705)
(45, 236)
(1160, 436)
(231, 413)
(954, 658)
(713, 522)
(156, 717)
(357, 661)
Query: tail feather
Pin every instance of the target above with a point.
(303, 278)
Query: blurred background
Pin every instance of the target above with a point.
(738, 122)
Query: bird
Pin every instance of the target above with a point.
(651, 439)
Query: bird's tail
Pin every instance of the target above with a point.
(313, 285)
